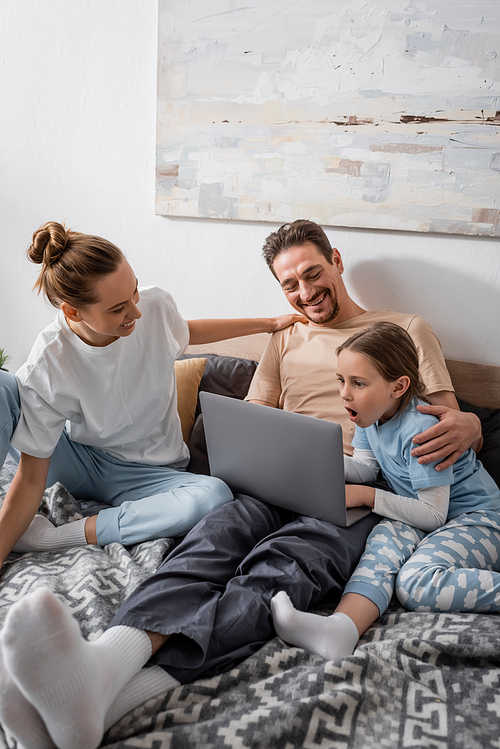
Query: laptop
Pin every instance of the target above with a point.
(283, 458)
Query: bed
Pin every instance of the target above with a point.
(415, 680)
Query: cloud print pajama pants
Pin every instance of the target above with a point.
(454, 568)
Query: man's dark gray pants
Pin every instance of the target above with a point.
(213, 592)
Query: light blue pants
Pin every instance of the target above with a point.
(148, 501)
(454, 568)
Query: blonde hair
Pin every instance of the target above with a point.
(72, 263)
(393, 353)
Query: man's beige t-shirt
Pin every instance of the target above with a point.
(297, 371)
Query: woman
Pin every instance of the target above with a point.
(95, 405)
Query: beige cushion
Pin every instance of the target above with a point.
(188, 373)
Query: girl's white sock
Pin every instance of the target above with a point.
(70, 682)
(332, 636)
(41, 535)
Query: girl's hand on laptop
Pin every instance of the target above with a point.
(357, 495)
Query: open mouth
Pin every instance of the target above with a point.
(315, 302)
(352, 414)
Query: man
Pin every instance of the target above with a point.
(297, 370)
(208, 605)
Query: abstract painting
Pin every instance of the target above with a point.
(381, 114)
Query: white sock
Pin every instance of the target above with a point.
(70, 682)
(42, 535)
(19, 719)
(145, 685)
(332, 636)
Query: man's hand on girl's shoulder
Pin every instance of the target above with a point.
(446, 441)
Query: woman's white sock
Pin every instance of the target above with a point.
(42, 535)
(332, 636)
(70, 682)
(148, 683)
(19, 719)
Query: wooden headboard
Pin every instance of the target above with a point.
(475, 383)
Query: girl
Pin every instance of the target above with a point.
(95, 405)
(439, 545)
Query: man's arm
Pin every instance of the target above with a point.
(265, 388)
(451, 437)
(456, 431)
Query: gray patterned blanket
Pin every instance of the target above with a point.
(415, 680)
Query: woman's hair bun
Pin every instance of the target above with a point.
(48, 244)
(72, 264)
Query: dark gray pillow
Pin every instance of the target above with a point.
(223, 375)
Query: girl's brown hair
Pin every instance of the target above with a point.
(393, 353)
(72, 263)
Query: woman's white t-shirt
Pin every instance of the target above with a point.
(120, 398)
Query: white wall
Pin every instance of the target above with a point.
(77, 143)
